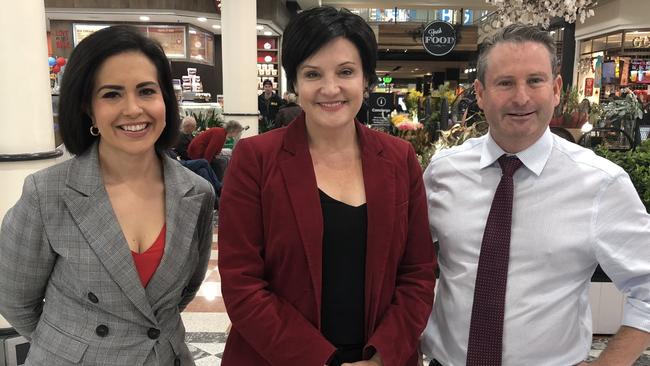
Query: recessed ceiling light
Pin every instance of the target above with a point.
(267, 33)
(260, 27)
(144, 18)
(202, 19)
(216, 26)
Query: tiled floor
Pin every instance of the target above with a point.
(207, 323)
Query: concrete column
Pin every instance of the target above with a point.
(26, 130)
(568, 54)
(239, 45)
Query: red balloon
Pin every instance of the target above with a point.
(56, 69)
(60, 61)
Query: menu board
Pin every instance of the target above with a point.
(170, 37)
(640, 72)
(201, 46)
(81, 31)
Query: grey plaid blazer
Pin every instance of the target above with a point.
(67, 278)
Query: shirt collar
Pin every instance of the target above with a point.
(534, 157)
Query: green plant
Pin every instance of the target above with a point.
(568, 107)
(207, 119)
(637, 164)
(595, 113)
(625, 110)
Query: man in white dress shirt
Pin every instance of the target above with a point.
(571, 211)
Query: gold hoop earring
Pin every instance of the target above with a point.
(94, 131)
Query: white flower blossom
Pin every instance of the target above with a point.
(540, 12)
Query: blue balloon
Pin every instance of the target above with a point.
(51, 61)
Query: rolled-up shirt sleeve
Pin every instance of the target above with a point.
(621, 229)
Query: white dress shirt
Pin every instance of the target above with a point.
(571, 210)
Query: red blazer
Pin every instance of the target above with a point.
(207, 144)
(270, 251)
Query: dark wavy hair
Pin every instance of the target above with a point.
(79, 80)
(312, 29)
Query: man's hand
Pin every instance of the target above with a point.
(622, 350)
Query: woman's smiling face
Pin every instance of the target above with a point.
(127, 104)
(330, 85)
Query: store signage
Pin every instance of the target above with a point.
(381, 104)
(641, 42)
(62, 39)
(589, 87)
(439, 38)
(387, 79)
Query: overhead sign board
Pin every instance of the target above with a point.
(439, 38)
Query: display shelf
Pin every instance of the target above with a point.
(268, 62)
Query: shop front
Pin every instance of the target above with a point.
(611, 62)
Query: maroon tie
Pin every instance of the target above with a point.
(486, 329)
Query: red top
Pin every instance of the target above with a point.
(207, 144)
(147, 262)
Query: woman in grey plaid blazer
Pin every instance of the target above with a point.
(68, 281)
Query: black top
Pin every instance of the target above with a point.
(183, 142)
(344, 263)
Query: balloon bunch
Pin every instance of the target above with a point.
(56, 64)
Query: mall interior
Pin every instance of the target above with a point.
(222, 51)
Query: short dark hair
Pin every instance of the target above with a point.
(79, 80)
(516, 33)
(267, 82)
(312, 29)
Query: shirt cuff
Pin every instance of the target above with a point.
(636, 314)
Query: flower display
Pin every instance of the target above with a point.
(403, 122)
(540, 12)
(412, 100)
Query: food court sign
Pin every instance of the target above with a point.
(439, 38)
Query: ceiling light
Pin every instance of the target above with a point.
(259, 27)
(267, 33)
(202, 19)
(144, 18)
(405, 51)
(216, 26)
(192, 31)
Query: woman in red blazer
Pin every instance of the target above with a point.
(324, 248)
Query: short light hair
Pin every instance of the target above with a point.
(233, 126)
(187, 120)
(515, 33)
(292, 98)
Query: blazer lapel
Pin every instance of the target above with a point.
(298, 173)
(91, 209)
(182, 211)
(379, 181)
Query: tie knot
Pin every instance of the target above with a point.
(509, 164)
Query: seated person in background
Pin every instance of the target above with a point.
(288, 112)
(188, 126)
(207, 144)
(202, 168)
